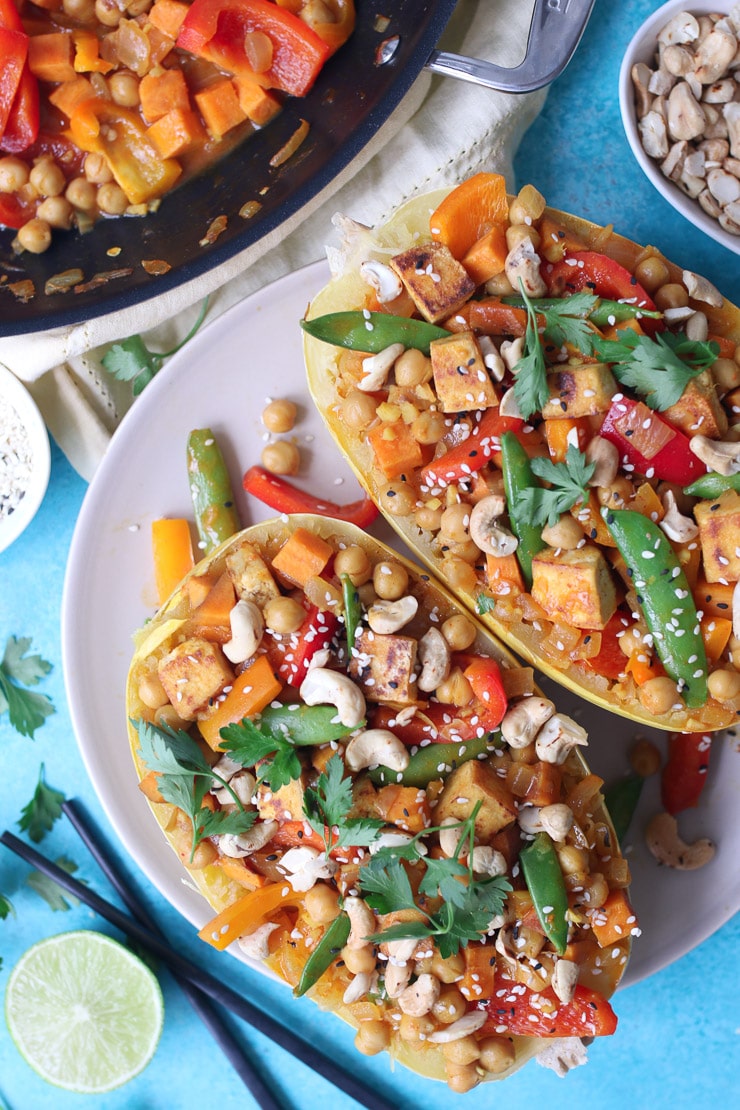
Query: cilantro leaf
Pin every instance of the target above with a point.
(6, 908)
(210, 822)
(250, 744)
(170, 752)
(442, 879)
(569, 481)
(26, 710)
(530, 372)
(56, 898)
(566, 321)
(132, 361)
(485, 604)
(459, 923)
(327, 808)
(387, 886)
(45, 807)
(658, 368)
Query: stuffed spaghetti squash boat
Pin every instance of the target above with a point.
(379, 804)
(548, 415)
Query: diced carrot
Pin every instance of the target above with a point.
(238, 870)
(149, 786)
(176, 132)
(198, 587)
(615, 920)
(405, 806)
(50, 56)
(487, 256)
(469, 212)
(253, 689)
(559, 434)
(160, 92)
(395, 449)
(257, 103)
(647, 502)
(555, 240)
(303, 556)
(716, 632)
(219, 106)
(69, 94)
(643, 667)
(504, 575)
(612, 331)
(211, 618)
(249, 911)
(172, 549)
(714, 599)
(477, 982)
(87, 54)
(168, 16)
(727, 347)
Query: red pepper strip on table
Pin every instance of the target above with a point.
(284, 497)
(685, 772)
(601, 275)
(217, 30)
(525, 1012)
(630, 425)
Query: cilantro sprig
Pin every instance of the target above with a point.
(56, 898)
(251, 744)
(658, 368)
(185, 777)
(327, 807)
(45, 807)
(132, 361)
(530, 372)
(569, 485)
(26, 709)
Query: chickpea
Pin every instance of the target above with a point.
(13, 175)
(462, 1051)
(358, 410)
(390, 580)
(726, 373)
(151, 692)
(644, 758)
(124, 89)
(82, 194)
(595, 890)
(168, 715)
(81, 10)
(137, 7)
(500, 286)
(398, 498)
(528, 205)
(47, 177)
(353, 562)
(459, 575)
(573, 861)
(359, 961)
(496, 1054)
(427, 518)
(455, 690)
(367, 594)
(517, 233)
(284, 615)
(415, 1030)
(97, 170)
(111, 199)
(658, 695)
(617, 494)
(468, 551)
(448, 970)
(372, 1037)
(455, 522)
(724, 685)
(35, 236)
(282, 457)
(412, 368)
(57, 211)
(565, 533)
(459, 632)
(462, 1077)
(631, 641)
(429, 427)
(108, 13)
(280, 416)
(671, 295)
(449, 1006)
(652, 273)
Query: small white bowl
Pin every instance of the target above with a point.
(641, 49)
(21, 420)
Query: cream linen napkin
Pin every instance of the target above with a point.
(444, 130)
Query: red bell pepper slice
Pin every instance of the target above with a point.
(598, 273)
(529, 1013)
(284, 497)
(484, 675)
(14, 212)
(675, 462)
(216, 29)
(13, 50)
(437, 723)
(610, 661)
(19, 112)
(685, 772)
(473, 453)
(316, 633)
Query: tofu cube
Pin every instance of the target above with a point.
(437, 283)
(283, 804)
(719, 533)
(699, 411)
(250, 574)
(584, 390)
(384, 667)
(469, 784)
(192, 673)
(574, 587)
(461, 377)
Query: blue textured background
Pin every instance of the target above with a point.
(677, 1040)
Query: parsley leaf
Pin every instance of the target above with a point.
(56, 898)
(6, 908)
(132, 361)
(530, 372)
(327, 808)
(658, 368)
(386, 884)
(566, 321)
(484, 603)
(569, 482)
(250, 744)
(26, 710)
(45, 807)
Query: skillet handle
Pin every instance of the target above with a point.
(554, 34)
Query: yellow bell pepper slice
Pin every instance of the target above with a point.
(249, 911)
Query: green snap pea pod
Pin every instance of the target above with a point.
(518, 476)
(372, 331)
(621, 800)
(324, 954)
(665, 598)
(713, 485)
(544, 878)
(603, 313)
(435, 761)
(352, 611)
(210, 488)
(305, 724)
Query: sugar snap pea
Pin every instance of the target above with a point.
(544, 878)
(324, 954)
(621, 800)
(210, 488)
(713, 485)
(436, 761)
(518, 476)
(372, 331)
(352, 611)
(603, 312)
(305, 724)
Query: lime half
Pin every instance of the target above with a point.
(84, 1012)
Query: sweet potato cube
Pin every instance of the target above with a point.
(176, 132)
(437, 282)
(719, 533)
(192, 673)
(69, 94)
(699, 411)
(50, 57)
(579, 391)
(168, 16)
(160, 92)
(395, 449)
(218, 104)
(404, 806)
(574, 587)
(257, 103)
(461, 378)
(384, 667)
(251, 575)
(301, 557)
(474, 782)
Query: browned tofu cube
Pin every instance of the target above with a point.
(574, 587)
(579, 391)
(719, 533)
(250, 574)
(698, 411)
(461, 378)
(384, 667)
(192, 673)
(283, 804)
(437, 283)
(469, 784)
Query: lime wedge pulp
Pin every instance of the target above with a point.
(84, 1012)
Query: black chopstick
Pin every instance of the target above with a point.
(219, 992)
(200, 1002)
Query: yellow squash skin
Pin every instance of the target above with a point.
(170, 625)
(410, 225)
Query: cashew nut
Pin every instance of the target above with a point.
(387, 617)
(699, 289)
(686, 117)
(557, 737)
(374, 747)
(324, 687)
(397, 978)
(418, 998)
(243, 844)
(449, 836)
(509, 406)
(714, 54)
(556, 820)
(512, 351)
(562, 1055)
(361, 921)
(243, 784)
(486, 860)
(386, 283)
(304, 866)
(247, 629)
(523, 264)
(666, 845)
(375, 368)
(523, 721)
(486, 533)
(682, 28)
(676, 526)
(256, 945)
(722, 456)
(464, 1027)
(434, 655)
(605, 457)
(564, 980)
(358, 987)
(491, 358)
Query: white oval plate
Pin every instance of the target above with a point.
(221, 380)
